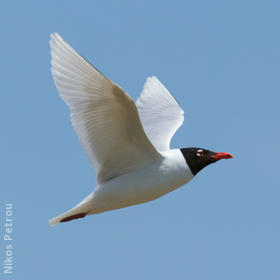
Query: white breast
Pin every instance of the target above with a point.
(167, 174)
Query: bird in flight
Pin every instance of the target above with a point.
(127, 143)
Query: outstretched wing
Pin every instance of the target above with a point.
(159, 112)
(104, 117)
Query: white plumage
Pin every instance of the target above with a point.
(131, 157)
(159, 112)
(105, 118)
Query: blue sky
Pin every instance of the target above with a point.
(221, 61)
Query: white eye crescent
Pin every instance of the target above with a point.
(200, 153)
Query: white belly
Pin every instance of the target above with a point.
(164, 176)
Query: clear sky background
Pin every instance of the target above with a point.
(221, 60)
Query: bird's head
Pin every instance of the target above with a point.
(198, 158)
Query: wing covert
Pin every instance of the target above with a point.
(104, 117)
(159, 112)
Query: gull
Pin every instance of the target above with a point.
(127, 143)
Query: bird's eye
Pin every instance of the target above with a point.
(200, 153)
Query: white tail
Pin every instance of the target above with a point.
(79, 211)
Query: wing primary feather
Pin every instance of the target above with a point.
(159, 112)
(104, 117)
